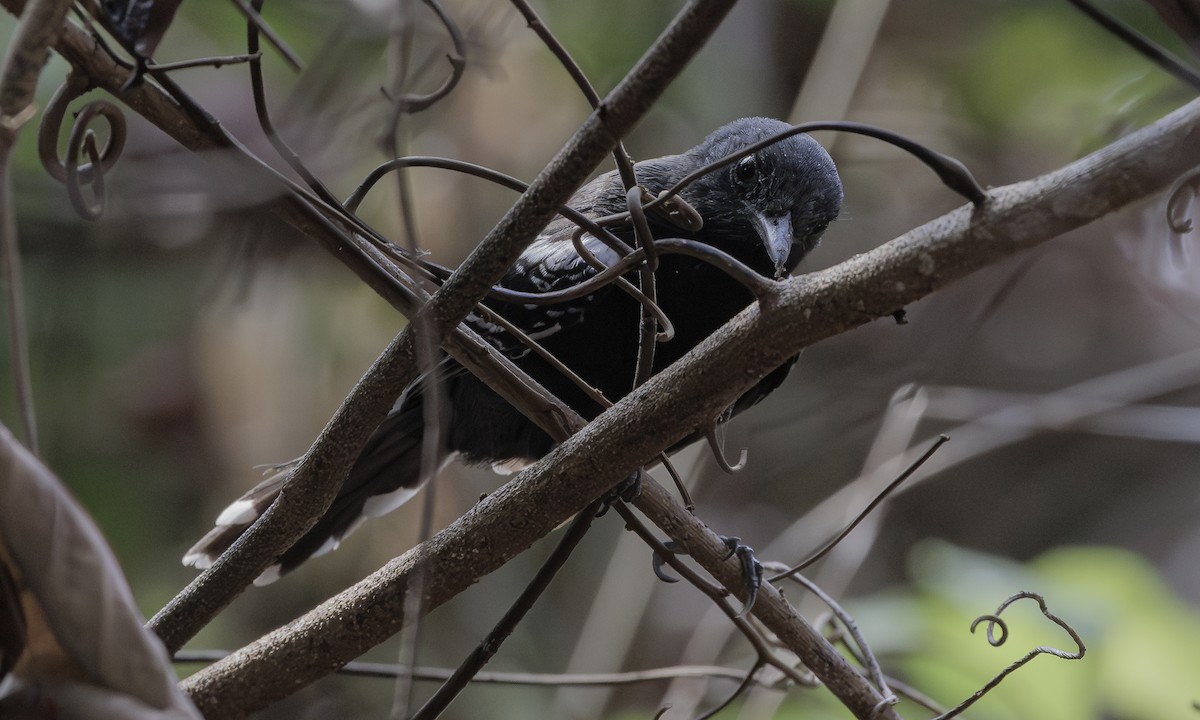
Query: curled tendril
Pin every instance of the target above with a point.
(1182, 192)
(719, 452)
(950, 171)
(81, 141)
(680, 485)
(458, 64)
(763, 288)
(84, 143)
(884, 704)
(647, 302)
(636, 198)
(676, 210)
(994, 621)
(649, 335)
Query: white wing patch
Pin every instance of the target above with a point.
(379, 505)
(549, 264)
(510, 466)
(548, 261)
(239, 512)
(198, 560)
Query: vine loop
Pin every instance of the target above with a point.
(85, 162)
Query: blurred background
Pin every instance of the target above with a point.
(180, 343)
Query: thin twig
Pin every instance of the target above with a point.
(624, 165)
(256, 21)
(950, 171)
(434, 401)
(427, 674)
(879, 497)
(259, 92)
(18, 333)
(648, 324)
(491, 644)
(594, 227)
(737, 692)
(716, 593)
(213, 62)
(864, 653)
(23, 62)
(1149, 49)
(405, 104)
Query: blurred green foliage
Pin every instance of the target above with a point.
(1038, 71)
(1142, 641)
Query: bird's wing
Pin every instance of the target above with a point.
(550, 264)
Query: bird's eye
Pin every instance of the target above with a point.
(746, 169)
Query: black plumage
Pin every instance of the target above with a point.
(768, 210)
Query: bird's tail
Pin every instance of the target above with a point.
(387, 474)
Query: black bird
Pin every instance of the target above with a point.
(768, 210)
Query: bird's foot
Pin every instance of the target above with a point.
(626, 491)
(752, 570)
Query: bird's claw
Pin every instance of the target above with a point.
(752, 570)
(627, 491)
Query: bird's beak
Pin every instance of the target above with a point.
(776, 234)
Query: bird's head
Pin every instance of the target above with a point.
(786, 193)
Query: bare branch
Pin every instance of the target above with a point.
(1151, 50)
(879, 497)
(429, 674)
(23, 63)
(483, 652)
